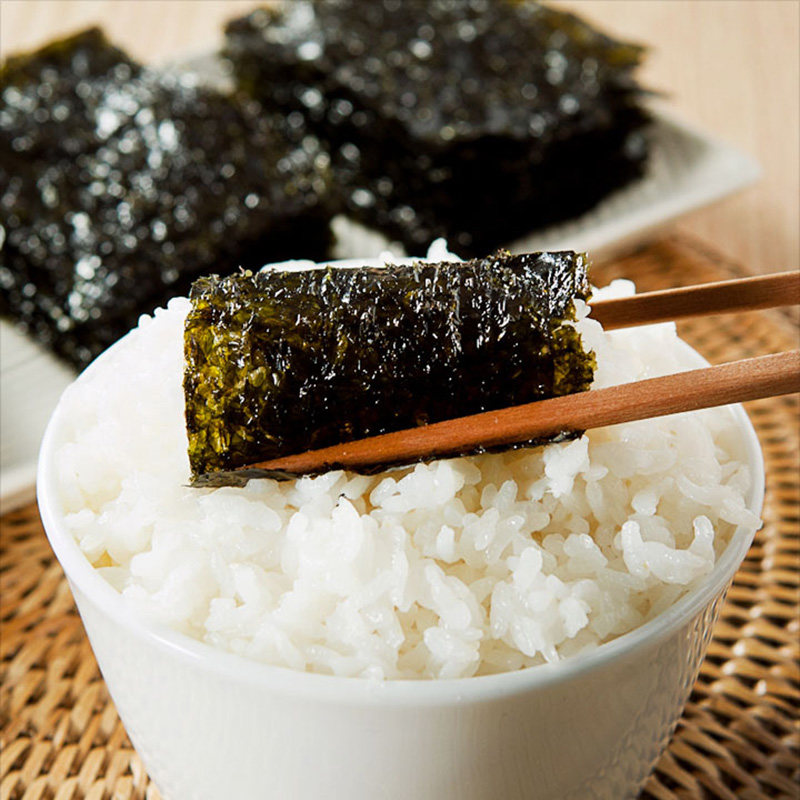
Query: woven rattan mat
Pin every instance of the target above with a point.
(739, 736)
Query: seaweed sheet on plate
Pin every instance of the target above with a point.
(478, 121)
(119, 185)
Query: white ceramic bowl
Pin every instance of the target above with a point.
(209, 724)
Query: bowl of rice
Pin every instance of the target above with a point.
(514, 625)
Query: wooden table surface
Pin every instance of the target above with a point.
(730, 66)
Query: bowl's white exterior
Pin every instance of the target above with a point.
(210, 725)
(206, 733)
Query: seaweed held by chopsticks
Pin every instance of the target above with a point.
(284, 361)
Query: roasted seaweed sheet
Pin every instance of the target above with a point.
(119, 185)
(474, 120)
(284, 361)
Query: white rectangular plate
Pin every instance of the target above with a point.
(687, 169)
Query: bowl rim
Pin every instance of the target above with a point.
(88, 585)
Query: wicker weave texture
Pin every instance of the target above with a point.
(61, 738)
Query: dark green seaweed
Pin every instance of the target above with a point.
(477, 120)
(281, 361)
(120, 185)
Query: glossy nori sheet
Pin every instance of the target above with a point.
(282, 361)
(469, 119)
(119, 185)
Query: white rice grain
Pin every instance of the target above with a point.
(454, 568)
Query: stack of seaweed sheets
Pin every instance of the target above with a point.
(119, 186)
(477, 121)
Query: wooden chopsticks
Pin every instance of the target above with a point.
(722, 297)
(736, 382)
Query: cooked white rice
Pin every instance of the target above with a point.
(454, 568)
